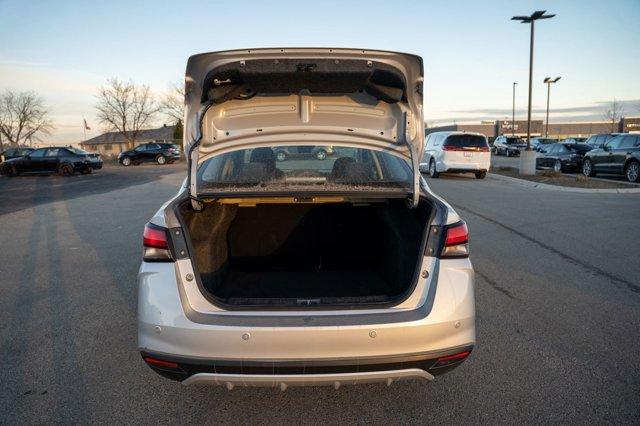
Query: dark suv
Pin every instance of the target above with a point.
(598, 140)
(508, 145)
(161, 153)
(620, 155)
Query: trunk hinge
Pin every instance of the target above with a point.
(192, 160)
(415, 161)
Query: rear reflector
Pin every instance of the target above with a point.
(156, 244)
(161, 363)
(451, 359)
(456, 242)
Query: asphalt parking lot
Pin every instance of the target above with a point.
(558, 313)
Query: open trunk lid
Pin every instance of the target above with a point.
(303, 96)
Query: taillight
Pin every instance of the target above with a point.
(156, 244)
(456, 243)
(465, 148)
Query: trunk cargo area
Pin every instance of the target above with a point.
(306, 254)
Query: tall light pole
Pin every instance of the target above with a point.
(549, 80)
(513, 111)
(540, 14)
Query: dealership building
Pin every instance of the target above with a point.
(492, 129)
(113, 143)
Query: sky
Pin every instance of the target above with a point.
(65, 50)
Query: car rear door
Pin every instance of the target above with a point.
(621, 153)
(605, 157)
(153, 150)
(50, 161)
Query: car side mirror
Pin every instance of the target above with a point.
(606, 147)
(28, 157)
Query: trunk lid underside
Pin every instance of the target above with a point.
(273, 97)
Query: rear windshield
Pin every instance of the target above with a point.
(304, 168)
(514, 141)
(462, 141)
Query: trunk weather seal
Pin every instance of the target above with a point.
(214, 300)
(192, 158)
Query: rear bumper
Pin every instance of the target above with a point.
(456, 167)
(304, 372)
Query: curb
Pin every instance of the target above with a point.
(545, 186)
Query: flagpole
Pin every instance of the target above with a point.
(84, 128)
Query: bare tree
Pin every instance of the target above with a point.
(126, 108)
(173, 102)
(614, 114)
(23, 118)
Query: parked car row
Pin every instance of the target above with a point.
(619, 154)
(55, 159)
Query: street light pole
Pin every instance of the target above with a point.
(548, 80)
(527, 161)
(513, 111)
(530, 86)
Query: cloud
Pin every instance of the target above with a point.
(596, 109)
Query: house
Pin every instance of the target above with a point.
(113, 143)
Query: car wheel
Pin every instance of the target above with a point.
(507, 153)
(633, 171)
(587, 168)
(321, 154)
(557, 166)
(65, 170)
(126, 161)
(9, 170)
(432, 169)
(160, 159)
(481, 175)
(281, 156)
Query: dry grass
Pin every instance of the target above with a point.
(549, 173)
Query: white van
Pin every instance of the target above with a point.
(456, 152)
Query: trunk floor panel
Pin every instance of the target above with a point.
(256, 286)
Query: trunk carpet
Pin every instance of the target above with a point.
(302, 284)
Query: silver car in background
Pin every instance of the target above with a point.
(305, 271)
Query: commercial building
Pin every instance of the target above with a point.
(112, 143)
(492, 129)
